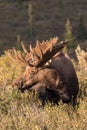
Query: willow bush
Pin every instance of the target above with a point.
(23, 111)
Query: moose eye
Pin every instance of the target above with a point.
(61, 83)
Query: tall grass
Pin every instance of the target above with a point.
(23, 111)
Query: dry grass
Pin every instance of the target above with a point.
(23, 111)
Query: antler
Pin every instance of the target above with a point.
(17, 57)
(24, 49)
(44, 51)
(51, 52)
(39, 55)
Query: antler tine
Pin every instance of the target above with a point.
(24, 48)
(32, 51)
(15, 53)
(51, 47)
(43, 42)
(31, 48)
(40, 50)
(19, 56)
(10, 56)
(52, 43)
(14, 58)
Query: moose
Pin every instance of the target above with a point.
(48, 71)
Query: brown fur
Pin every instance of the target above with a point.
(52, 82)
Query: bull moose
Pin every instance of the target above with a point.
(48, 71)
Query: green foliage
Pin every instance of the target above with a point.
(69, 35)
(81, 30)
(18, 44)
(23, 111)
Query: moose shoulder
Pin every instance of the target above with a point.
(57, 80)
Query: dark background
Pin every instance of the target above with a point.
(31, 20)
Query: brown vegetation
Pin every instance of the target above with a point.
(23, 110)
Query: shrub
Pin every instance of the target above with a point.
(23, 111)
(69, 35)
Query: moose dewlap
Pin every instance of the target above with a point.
(47, 71)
